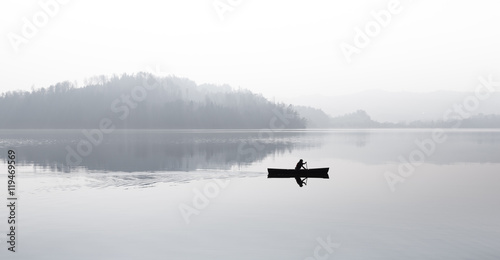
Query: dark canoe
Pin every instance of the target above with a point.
(291, 173)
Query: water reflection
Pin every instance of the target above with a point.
(387, 146)
(152, 151)
(165, 151)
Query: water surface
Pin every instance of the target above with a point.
(128, 198)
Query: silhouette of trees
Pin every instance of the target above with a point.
(177, 103)
(316, 118)
(174, 103)
(358, 119)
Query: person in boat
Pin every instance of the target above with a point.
(300, 166)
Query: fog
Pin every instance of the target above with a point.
(282, 49)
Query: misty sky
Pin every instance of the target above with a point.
(277, 48)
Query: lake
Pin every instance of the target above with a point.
(204, 194)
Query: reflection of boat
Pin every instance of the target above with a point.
(291, 173)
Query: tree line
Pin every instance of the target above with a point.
(360, 119)
(130, 103)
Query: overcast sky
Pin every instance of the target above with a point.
(280, 48)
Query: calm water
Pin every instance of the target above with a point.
(205, 195)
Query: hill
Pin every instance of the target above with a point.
(142, 101)
(316, 118)
(396, 107)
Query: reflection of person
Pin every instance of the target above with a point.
(299, 181)
(299, 166)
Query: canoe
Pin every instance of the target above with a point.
(292, 173)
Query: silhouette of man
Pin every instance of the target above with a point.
(299, 166)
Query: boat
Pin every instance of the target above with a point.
(292, 173)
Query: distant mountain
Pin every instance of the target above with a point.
(475, 121)
(142, 101)
(358, 119)
(384, 106)
(316, 118)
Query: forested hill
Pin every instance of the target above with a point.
(143, 101)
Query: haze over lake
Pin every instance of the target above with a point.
(128, 198)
